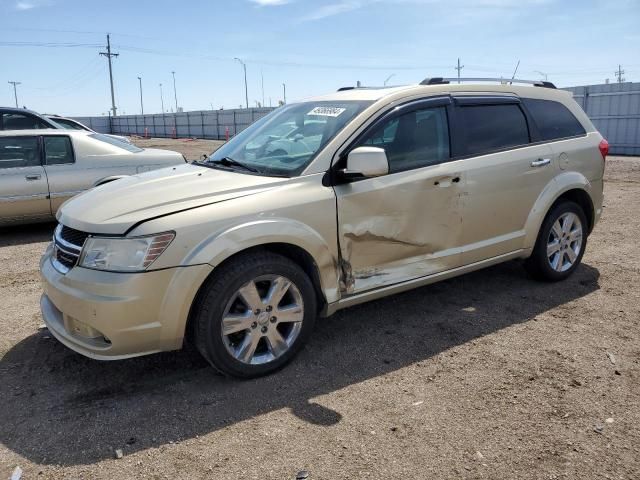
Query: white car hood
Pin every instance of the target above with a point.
(115, 207)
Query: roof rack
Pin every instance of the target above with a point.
(505, 81)
(368, 87)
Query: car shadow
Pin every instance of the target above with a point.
(62, 408)
(25, 234)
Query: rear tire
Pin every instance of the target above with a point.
(560, 244)
(254, 314)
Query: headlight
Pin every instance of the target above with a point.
(123, 254)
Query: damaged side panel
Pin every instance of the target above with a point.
(399, 227)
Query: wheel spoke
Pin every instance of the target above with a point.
(250, 296)
(233, 323)
(576, 234)
(279, 287)
(568, 222)
(290, 314)
(571, 255)
(277, 344)
(556, 262)
(248, 347)
(557, 230)
(553, 247)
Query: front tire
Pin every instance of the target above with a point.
(254, 314)
(560, 244)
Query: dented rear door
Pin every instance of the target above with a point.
(408, 223)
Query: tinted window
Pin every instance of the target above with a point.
(115, 142)
(413, 140)
(493, 127)
(20, 121)
(58, 150)
(553, 119)
(19, 152)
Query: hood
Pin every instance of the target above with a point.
(115, 207)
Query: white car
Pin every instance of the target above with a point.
(71, 124)
(40, 169)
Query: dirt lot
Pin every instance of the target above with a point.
(192, 149)
(489, 375)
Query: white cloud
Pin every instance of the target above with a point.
(333, 9)
(344, 6)
(270, 3)
(31, 4)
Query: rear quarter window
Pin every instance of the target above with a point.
(553, 119)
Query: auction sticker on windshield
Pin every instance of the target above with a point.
(327, 111)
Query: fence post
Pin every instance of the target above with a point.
(202, 123)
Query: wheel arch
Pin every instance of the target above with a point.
(293, 252)
(571, 186)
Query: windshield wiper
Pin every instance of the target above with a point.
(230, 162)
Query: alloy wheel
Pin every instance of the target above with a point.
(262, 319)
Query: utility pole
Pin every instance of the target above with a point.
(141, 105)
(619, 74)
(108, 54)
(15, 92)
(459, 69)
(246, 90)
(262, 79)
(175, 95)
(161, 98)
(284, 93)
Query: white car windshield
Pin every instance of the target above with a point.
(285, 141)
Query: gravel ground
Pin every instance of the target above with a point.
(490, 375)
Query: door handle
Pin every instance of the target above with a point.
(446, 182)
(36, 176)
(541, 162)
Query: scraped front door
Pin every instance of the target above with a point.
(406, 224)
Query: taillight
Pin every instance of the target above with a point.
(604, 148)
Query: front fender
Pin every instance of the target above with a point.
(553, 190)
(222, 245)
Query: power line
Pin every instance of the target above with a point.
(108, 54)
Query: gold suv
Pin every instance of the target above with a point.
(318, 206)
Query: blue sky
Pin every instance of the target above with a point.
(313, 46)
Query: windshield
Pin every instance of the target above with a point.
(285, 141)
(115, 142)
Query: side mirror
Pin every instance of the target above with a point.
(366, 162)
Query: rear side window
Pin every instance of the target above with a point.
(554, 120)
(19, 152)
(58, 150)
(493, 127)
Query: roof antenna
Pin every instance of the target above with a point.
(514, 73)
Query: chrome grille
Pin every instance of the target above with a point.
(67, 247)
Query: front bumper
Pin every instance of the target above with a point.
(110, 316)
